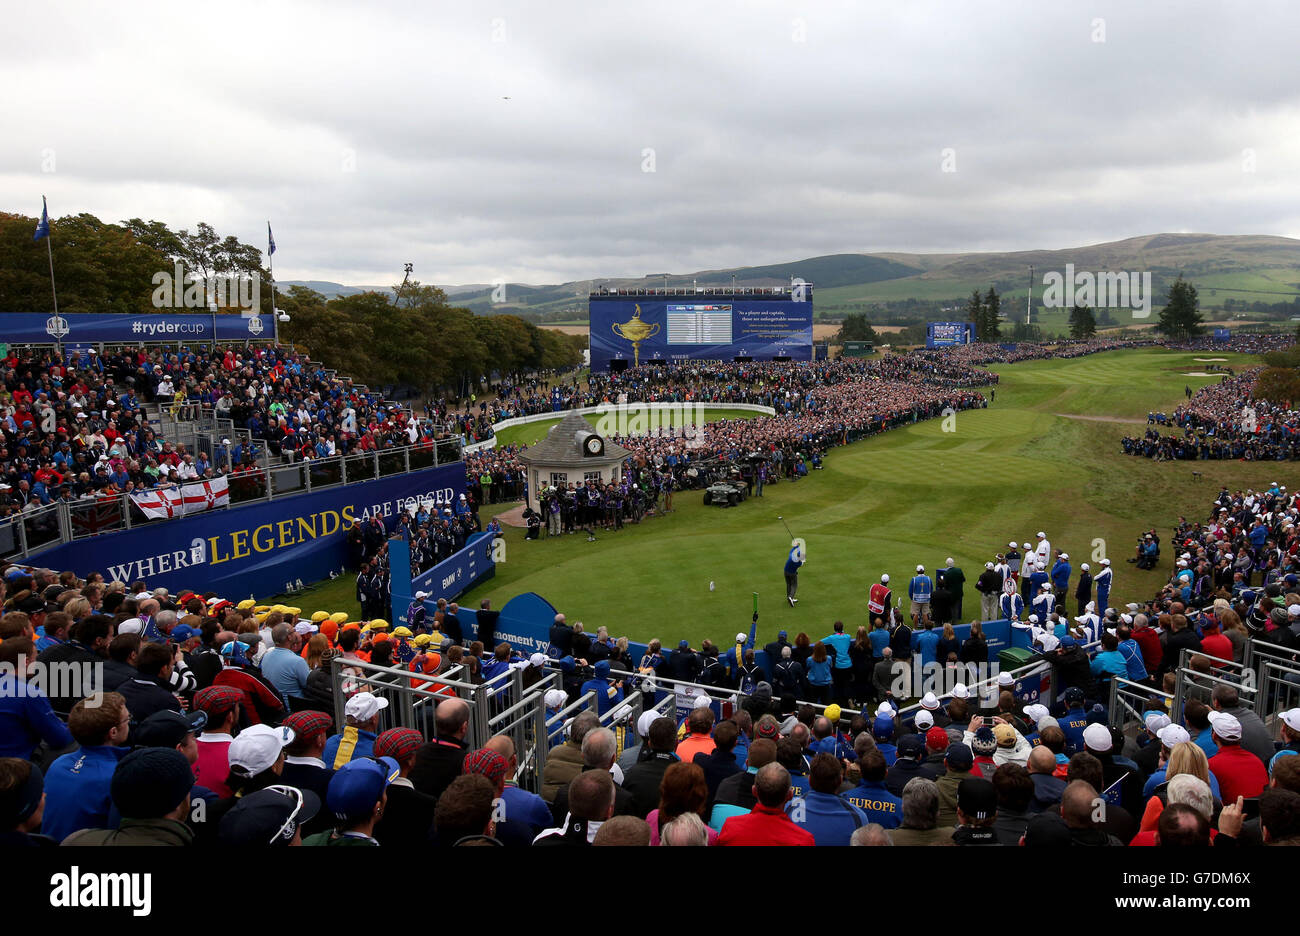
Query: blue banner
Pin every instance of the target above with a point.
(22, 328)
(705, 327)
(1222, 334)
(942, 334)
(254, 550)
(449, 579)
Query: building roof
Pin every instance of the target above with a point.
(562, 448)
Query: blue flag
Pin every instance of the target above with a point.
(43, 229)
(270, 239)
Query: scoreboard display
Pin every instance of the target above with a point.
(642, 326)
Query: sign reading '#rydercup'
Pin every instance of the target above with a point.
(23, 328)
(254, 549)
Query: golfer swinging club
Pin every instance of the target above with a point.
(794, 560)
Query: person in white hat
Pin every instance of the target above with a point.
(1013, 560)
(1290, 720)
(256, 750)
(1083, 590)
(1102, 582)
(1240, 772)
(1043, 551)
(989, 585)
(1044, 602)
(919, 591)
(357, 739)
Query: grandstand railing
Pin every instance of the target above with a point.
(1128, 701)
(62, 522)
(1188, 683)
(1279, 689)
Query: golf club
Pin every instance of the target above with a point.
(786, 525)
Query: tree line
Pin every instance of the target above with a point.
(415, 338)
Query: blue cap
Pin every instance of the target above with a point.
(883, 727)
(683, 644)
(1068, 641)
(234, 652)
(357, 786)
(182, 632)
(602, 668)
(567, 664)
(781, 634)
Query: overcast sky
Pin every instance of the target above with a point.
(375, 134)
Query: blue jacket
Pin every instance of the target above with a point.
(77, 791)
(879, 641)
(924, 643)
(1072, 724)
(791, 564)
(920, 588)
(1132, 653)
(830, 819)
(877, 802)
(26, 719)
(1061, 574)
(604, 701)
(841, 643)
(364, 747)
(819, 674)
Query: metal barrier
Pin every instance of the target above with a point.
(1129, 698)
(1279, 690)
(1190, 683)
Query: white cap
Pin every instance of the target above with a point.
(642, 724)
(1027, 546)
(1047, 586)
(884, 579)
(1086, 567)
(1097, 737)
(537, 660)
(555, 698)
(1036, 712)
(364, 706)
(988, 565)
(257, 748)
(1155, 721)
(1182, 563)
(1293, 610)
(1006, 679)
(920, 568)
(131, 626)
(421, 595)
(1049, 642)
(1291, 718)
(1225, 726)
(1033, 619)
(1065, 555)
(305, 627)
(702, 701)
(1090, 606)
(924, 720)
(928, 701)
(959, 691)
(1105, 562)
(1042, 535)
(1126, 618)
(884, 710)
(1013, 544)
(742, 637)
(1187, 556)
(1171, 735)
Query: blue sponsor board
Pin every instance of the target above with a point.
(254, 549)
(708, 326)
(22, 328)
(1222, 334)
(943, 334)
(449, 579)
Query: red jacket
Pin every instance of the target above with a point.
(764, 826)
(1152, 650)
(259, 699)
(1240, 773)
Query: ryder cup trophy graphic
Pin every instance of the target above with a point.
(635, 331)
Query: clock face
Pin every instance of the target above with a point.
(594, 445)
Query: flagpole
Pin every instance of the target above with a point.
(49, 249)
(270, 264)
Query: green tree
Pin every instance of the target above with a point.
(975, 314)
(855, 327)
(992, 316)
(1181, 317)
(1082, 322)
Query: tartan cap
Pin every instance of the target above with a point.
(398, 743)
(308, 724)
(217, 700)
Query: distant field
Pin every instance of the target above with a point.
(1044, 456)
(532, 433)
